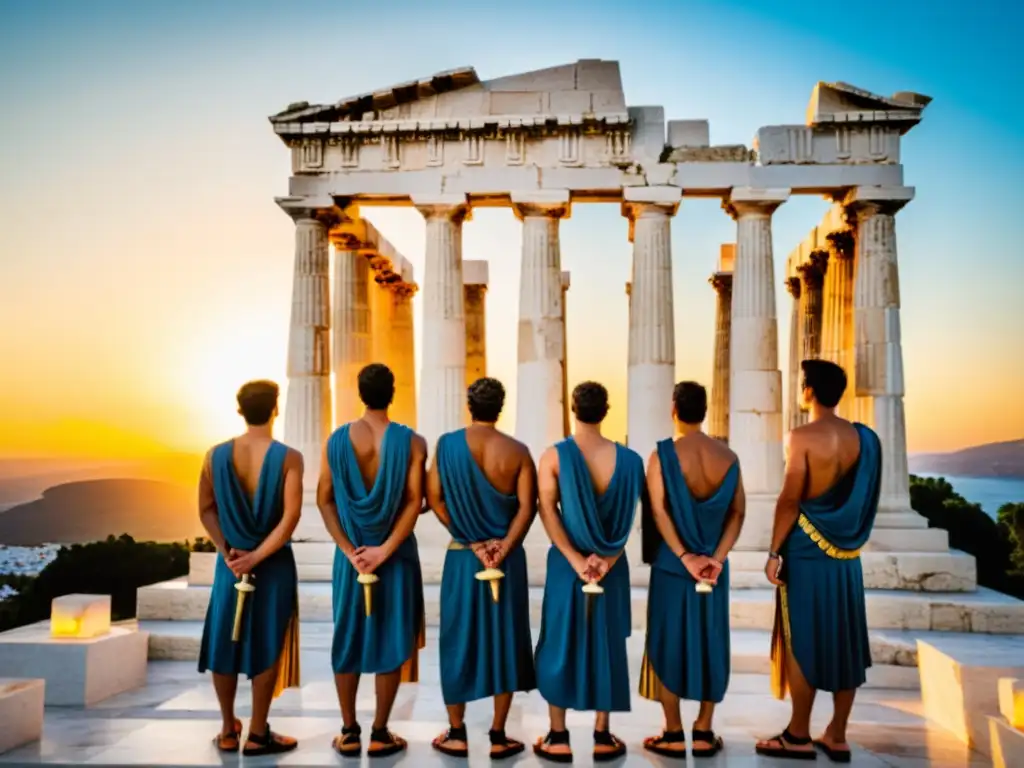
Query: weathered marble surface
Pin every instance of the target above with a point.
(21, 711)
(172, 719)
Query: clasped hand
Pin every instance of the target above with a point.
(491, 553)
(367, 559)
(593, 569)
(241, 562)
(702, 567)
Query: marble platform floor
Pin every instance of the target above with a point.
(172, 720)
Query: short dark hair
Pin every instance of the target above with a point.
(376, 386)
(486, 398)
(826, 380)
(257, 401)
(691, 402)
(590, 402)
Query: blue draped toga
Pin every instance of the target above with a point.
(485, 647)
(581, 660)
(687, 647)
(820, 615)
(391, 636)
(270, 618)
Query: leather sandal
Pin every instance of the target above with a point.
(656, 744)
(502, 746)
(833, 754)
(228, 742)
(452, 734)
(783, 751)
(388, 743)
(553, 739)
(717, 745)
(349, 744)
(269, 743)
(606, 739)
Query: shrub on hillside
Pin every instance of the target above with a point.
(115, 567)
(1011, 518)
(971, 530)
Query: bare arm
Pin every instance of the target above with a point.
(656, 493)
(787, 508)
(547, 487)
(413, 501)
(435, 493)
(526, 493)
(282, 533)
(208, 507)
(733, 522)
(329, 507)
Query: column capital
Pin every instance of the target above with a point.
(754, 201)
(552, 203)
(641, 202)
(873, 200)
(793, 286)
(721, 282)
(840, 243)
(454, 208)
(322, 211)
(812, 271)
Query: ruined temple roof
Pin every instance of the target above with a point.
(844, 103)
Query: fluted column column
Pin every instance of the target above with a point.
(837, 331)
(793, 415)
(721, 281)
(566, 429)
(755, 397)
(443, 373)
(403, 354)
(879, 368)
(307, 416)
(811, 275)
(474, 297)
(351, 330)
(541, 345)
(652, 344)
(382, 316)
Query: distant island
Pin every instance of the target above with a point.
(1004, 460)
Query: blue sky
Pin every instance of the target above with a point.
(139, 173)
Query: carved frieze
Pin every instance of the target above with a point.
(435, 151)
(391, 157)
(569, 147)
(729, 153)
(617, 147)
(515, 147)
(472, 149)
(834, 143)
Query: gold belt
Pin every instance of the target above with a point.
(824, 544)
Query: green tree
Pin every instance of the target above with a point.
(1011, 519)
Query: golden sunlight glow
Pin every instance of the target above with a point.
(80, 616)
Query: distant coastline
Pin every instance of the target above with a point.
(993, 460)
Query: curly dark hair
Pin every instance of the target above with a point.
(691, 402)
(376, 386)
(590, 402)
(486, 398)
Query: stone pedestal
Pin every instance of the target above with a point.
(352, 345)
(721, 281)
(960, 682)
(541, 344)
(652, 344)
(1006, 744)
(755, 398)
(21, 712)
(475, 275)
(78, 672)
(1011, 701)
(442, 404)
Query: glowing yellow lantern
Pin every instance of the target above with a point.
(1011, 701)
(80, 616)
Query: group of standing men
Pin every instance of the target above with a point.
(485, 489)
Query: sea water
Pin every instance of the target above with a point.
(990, 492)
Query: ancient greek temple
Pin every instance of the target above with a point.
(540, 143)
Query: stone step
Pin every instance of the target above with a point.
(981, 611)
(952, 571)
(180, 641)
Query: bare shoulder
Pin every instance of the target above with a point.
(549, 459)
(419, 444)
(293, 459)
(514, 446)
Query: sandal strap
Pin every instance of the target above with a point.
(557, 737)
(708, 736)
(498, 738)
(605, 739)
(456, 733)
(796, 741)
(382, 736)
(355, 730)
(673, 737)
(263, 739)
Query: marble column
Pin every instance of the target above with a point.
(566, 406)
(443, 373)
(403, 354)
(541, 345)
(474, 297)
(381, 316)
(652, 345)
(718, 413)
(837, 326)
(879, 369)
(351, 328)
(811, 275)
(307, 416)
(755, 396)
(793, 412)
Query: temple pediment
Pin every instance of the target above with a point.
(843, 103)
(588, 86)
